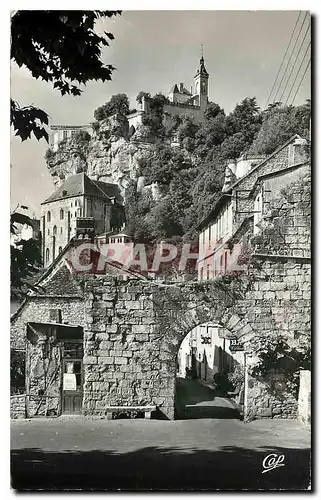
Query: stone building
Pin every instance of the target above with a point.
(61, 133)
(251, 186)
(183, 102)
(100, 344)
(82, 207)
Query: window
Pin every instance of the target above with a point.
(71, 204)
(76, 203)
(61, 214)
(54, 231)
(75, 214)
(61, 230)
(48, 231)
(47, 254)
(48, 216)
(60, 250)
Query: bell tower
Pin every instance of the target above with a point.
(201, 85)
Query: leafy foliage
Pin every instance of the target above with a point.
(140, 96)
(280, 123)
(62, 48)
(190, 178)
(17, 371)
(118, 104)
(276, 356)
(25, 257)
(27, 121)
(153, 118)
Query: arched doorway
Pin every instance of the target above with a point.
(232, 327)
(205, 378)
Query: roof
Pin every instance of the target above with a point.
(174, 89)
(61, 283)
(250, 172)
(80, 184)
(184, 91)
(278, 173)
(223, 199)
(219, 204)
(111, 190)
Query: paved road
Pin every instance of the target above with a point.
(197, 454)
(193, 400)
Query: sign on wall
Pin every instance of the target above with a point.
(236, 345)
(69, 382)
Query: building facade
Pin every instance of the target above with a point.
(252, 184)
(182, 102)
(79, 208)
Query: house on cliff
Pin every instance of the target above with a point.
(182, 102)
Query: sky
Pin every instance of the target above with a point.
(153, 50)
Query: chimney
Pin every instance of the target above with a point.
(181, 86)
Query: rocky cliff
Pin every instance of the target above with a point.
(110, 154)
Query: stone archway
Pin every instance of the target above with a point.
(133, 333)
(234, 326)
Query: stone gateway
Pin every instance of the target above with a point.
(118, 337)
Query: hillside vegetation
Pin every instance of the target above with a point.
(190, 176)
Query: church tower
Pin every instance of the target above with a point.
(201, 85)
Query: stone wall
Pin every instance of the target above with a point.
(304, 403)
(18, 406)
(243, 202)
(37, 309)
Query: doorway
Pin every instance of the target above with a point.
(72, 383)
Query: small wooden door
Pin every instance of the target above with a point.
(72, 382)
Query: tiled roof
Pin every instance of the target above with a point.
(61, 283)
(76, 185)
(111, 190)
(174, 89)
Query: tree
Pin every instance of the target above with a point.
(25, 256)
(153, 118)
(62, 48)
(118, 104)
(142, 94)
(280, 123)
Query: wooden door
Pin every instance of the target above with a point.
(72, 391)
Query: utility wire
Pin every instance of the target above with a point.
(297, 56)
(284, 56)
(306, 68)
(297, 73)
(296, 41)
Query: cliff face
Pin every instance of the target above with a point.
(109, 155)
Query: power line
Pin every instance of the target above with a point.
(306, 68)
(284, 56)
(296, 41)
(297, 73)
(297, 56)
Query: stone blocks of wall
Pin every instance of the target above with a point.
(304, 403)
(37, 309)
(18, 406)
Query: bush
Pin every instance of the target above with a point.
(17, 372)
(236, 377)
(82, 136)
(222, 382)
(49, 154)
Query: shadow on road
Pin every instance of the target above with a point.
(194, 401)
(229, 468)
